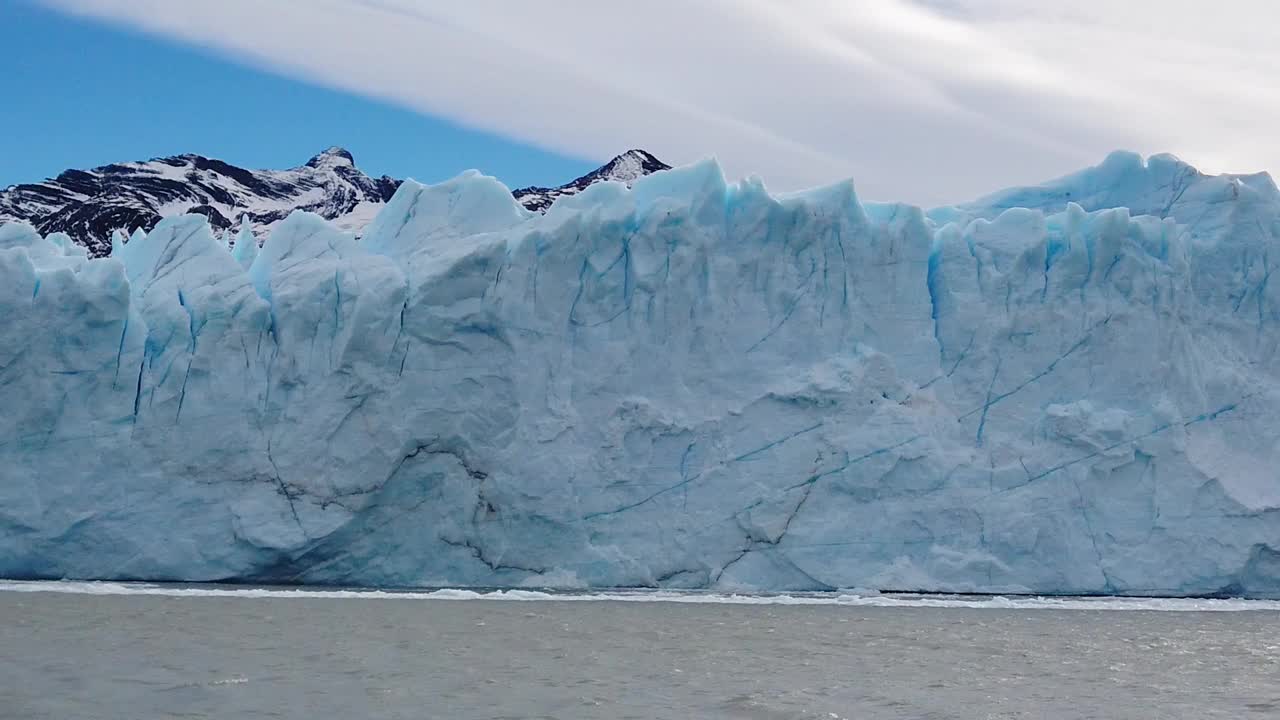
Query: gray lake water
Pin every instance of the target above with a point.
(102, 656)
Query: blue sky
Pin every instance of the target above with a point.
(80, 93)
(926, 101)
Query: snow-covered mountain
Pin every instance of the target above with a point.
(89, 204)
(626, 168)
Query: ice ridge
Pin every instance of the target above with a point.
(684, 383)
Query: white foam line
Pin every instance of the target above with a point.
(699, 598)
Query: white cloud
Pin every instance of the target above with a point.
(921, 100)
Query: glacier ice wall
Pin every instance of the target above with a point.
(686, 384)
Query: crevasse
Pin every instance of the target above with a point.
(1067, 388)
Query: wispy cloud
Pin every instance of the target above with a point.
(923, 100)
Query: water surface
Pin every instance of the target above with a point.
(111, 651)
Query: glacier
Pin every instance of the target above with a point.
(1069, 388)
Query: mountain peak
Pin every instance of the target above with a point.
(632, 165)
(641, 155)
(625, 168)
(332, 155)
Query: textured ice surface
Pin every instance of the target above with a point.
(687, 383)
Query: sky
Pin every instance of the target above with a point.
(76, 93)
(926, 101)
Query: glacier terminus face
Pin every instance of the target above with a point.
(689, 383)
